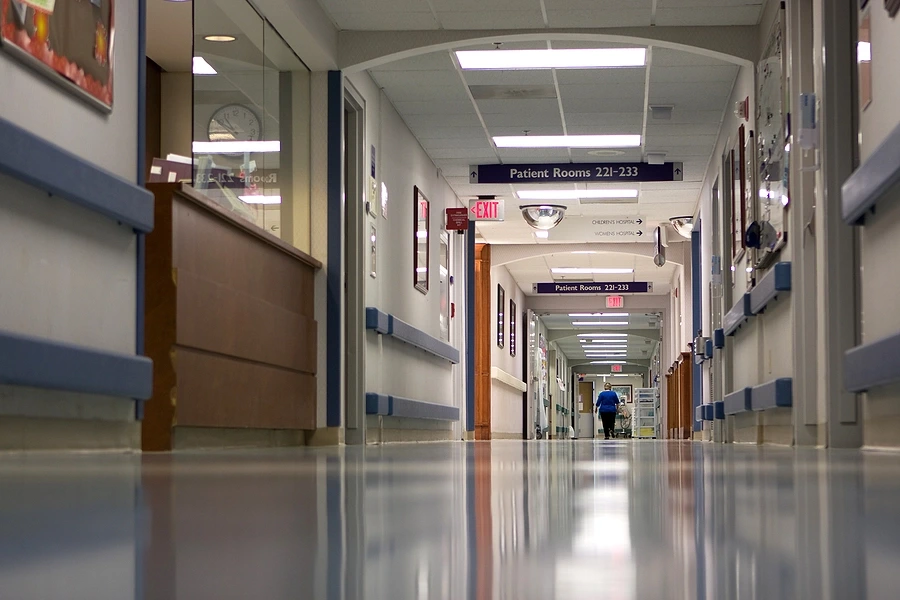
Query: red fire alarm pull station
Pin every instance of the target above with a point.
(457, 219)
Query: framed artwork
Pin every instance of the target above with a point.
(624, 392)
(373, 266)
(421, 252)
(444, 267)
(70, 43)
(501, 322)
(738, 199)
(512, 327)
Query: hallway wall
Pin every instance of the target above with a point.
(506, 401)
(69, 274)
(393, 367)
(879, 240)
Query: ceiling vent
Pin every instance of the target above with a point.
(661, 112)
(513, 92)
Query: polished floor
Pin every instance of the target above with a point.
(506, 520)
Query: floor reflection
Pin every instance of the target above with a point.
(502, 520)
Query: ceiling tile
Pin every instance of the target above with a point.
(631, 91)
(368, 20)
(432, 108)
(433, 61)
(513, 77)
(601, 76)
(492, 19)
(693, 74)
(708, 16)
(592, 18)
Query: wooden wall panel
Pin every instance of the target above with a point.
(217, 319)
(217, 391)
(484, 341)
(219, 251)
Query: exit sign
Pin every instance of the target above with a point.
(616, 368)
(486, 210)
(615, 301)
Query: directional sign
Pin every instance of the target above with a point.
(576, 172)
(590, 287)
(602, 229)
(486, 210)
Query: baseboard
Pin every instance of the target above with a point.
(27, 433)
(387, 435)
(325, 436)
(469, 436)
(497, 435)
(747, 429)
(196, 438)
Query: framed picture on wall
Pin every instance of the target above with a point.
(624, 392)
(69, 43)
(421, 252)
(738, 199)
(501, 322)
(512, 327)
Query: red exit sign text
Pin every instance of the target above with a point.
(615, 301)
(486, 210)
(616, 368)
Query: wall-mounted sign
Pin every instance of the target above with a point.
(571, 173)
(69, 42)
(615, 368)
(457, 219)
(486, 210)
(592, 287)
(615, 301)
(605, 229)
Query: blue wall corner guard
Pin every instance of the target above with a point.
(738, 315)
(396, 406)
(377, 321)
(739, 401)
(775, 282)
(873, 364)
(405, 332)
(719, 410)
(774, 394)
(704, 412)
(871, 182)
(719, 338)
(51, 365)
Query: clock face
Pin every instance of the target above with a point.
(234, 123)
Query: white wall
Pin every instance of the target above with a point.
(70, 274)
(393, 367)
(880, 242)
(506, 402)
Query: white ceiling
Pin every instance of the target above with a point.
(637, 347)
(396, 15)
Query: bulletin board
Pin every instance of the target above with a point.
(70, 43)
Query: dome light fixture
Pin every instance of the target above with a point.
(683, 226)
(543, 217)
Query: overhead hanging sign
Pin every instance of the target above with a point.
(592, 287)
(602, 229)
(486, 210)
(575, 173)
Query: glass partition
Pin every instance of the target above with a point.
(250, 119)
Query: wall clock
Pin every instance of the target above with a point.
(234, 123)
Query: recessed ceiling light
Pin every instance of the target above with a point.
(589, 271)
(567, 141)
(604, 346)
(201, 67)
(236, 147)
(542, 234)
(574, 194)
(608, 362)
(573, 58)
(219, 38)
(602, 335)
(598, 314)
(598, 323)
(605, 153)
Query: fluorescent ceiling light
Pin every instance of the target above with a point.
(567, 141)
(219, 38)
(581, 58)
(604, 346)
(201, 67)
(575, 194)
(235, 147)
(598, 314)
(603, 335)
(590, 271)
(597, 323)
(608, 362)
(261, 199)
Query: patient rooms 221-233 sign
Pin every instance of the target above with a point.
(69, 41)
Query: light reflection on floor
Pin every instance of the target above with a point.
(505, 520)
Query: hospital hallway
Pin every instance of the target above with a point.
(503, 519)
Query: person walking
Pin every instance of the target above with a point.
(608, 406)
